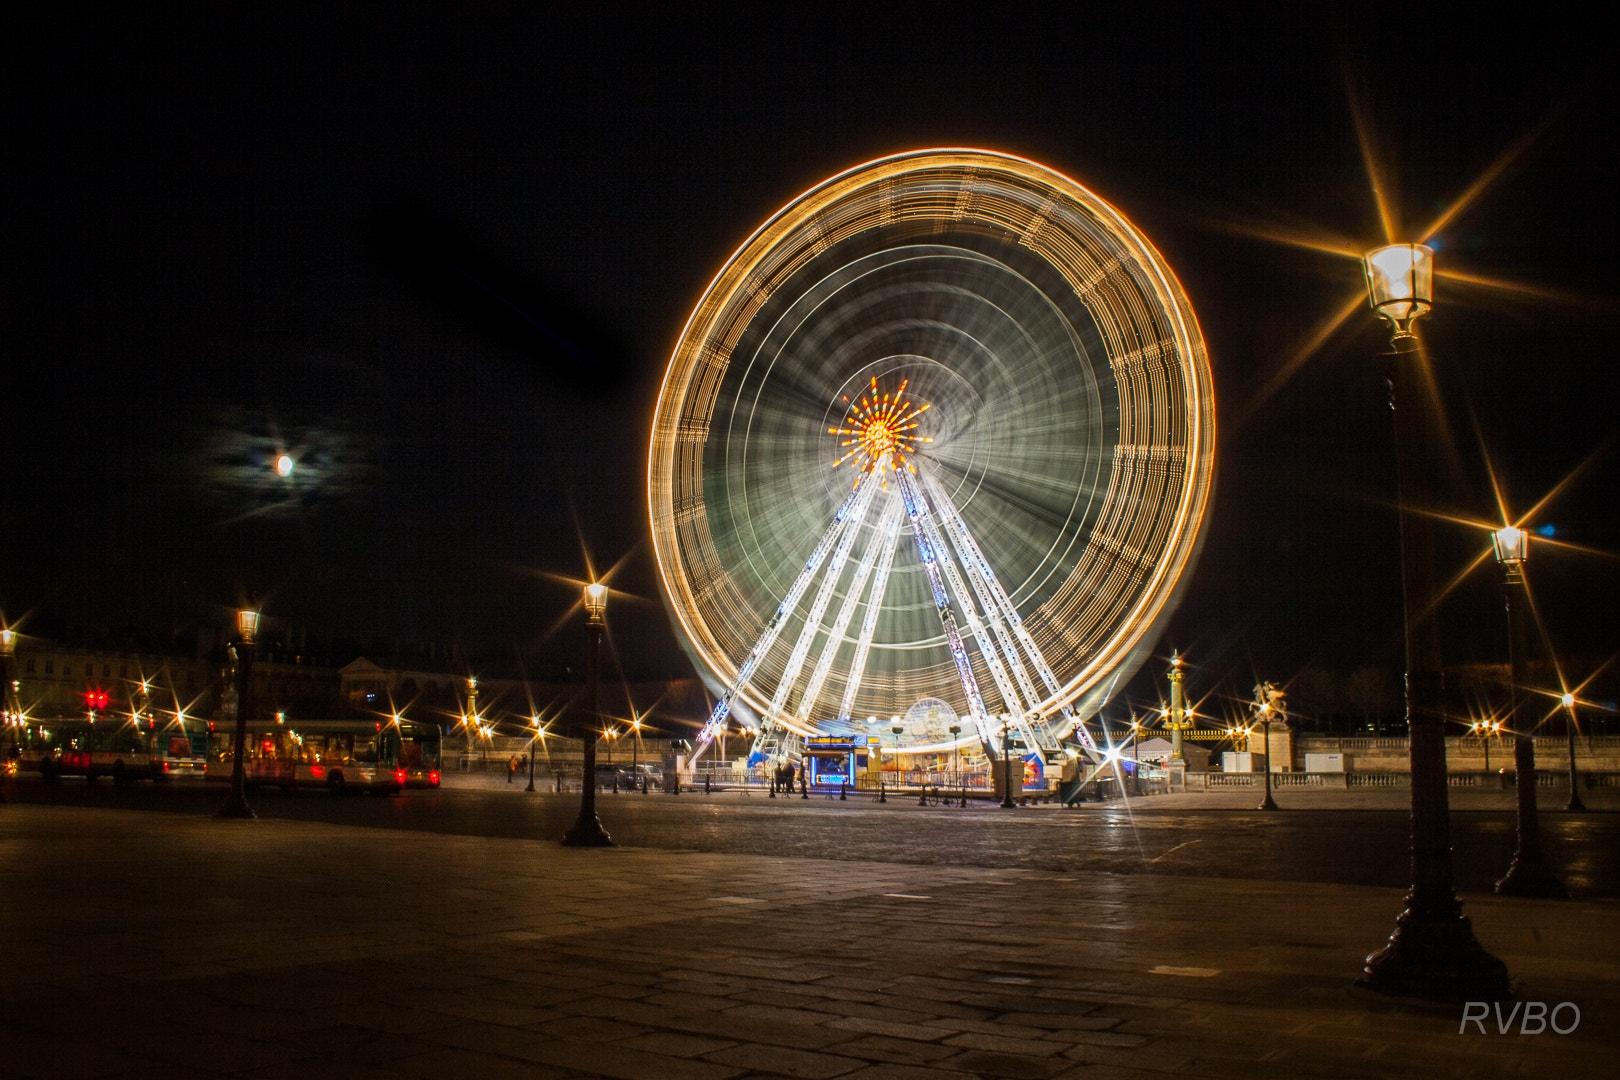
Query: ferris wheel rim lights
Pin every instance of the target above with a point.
(723, 309)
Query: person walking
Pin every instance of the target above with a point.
(511, 768)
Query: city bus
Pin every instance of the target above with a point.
(420, 753)
(122, 748)
(339, 756)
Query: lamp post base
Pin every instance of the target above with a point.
(587, 831)
(1435, 956)
(1574, 806)
(1532, 877)
(236, 807)
(1268, 803)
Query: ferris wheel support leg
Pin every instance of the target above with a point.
(1012, 700)
(887, 543)
(887, 532)
(973, 558)
(773, 629)
(915, 507)
(818, 607)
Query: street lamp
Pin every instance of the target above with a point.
(247, 629)
(539, 733)
(1263, 710)
(587, 830)
(635, 748)
(8, 648)
(899, 773)
(1136, 761)
(1574, 805)
(1528, 874)
(1486, 730)
(1006, 762)
(1433, 952)
(956, 762)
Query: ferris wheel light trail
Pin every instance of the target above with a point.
(722, 708)
(915, 509)
(999, 607)
(887, 541)
(1014, 373)
(885, 537)
(818, 607)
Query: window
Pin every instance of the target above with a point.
(50, 666)
(106, 671)
(123, 671)
(30, 665)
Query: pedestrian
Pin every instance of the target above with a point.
(511, 768)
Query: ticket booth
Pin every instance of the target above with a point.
(833, 760)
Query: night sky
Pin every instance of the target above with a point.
(442, 262)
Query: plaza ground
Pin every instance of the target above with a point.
(149, 943)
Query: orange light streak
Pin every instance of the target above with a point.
(880, 430)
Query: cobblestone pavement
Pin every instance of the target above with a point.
(1342, 837)
(147, 945)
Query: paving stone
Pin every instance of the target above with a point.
(872, 1025)
(782, 1061)
(675, 1043)
(902, 1050)
(909, 1072)
(1003, 1045)
(607, 1059)
(595, 1029)
(1058, 1021)
(463, 1065)
(1010, 1066)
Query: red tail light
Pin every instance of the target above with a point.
(433, 777)
(165, 766)
(399, 777)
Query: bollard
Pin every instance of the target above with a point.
(706, 789)
(804, 784)
(841, 796)
(882, 797)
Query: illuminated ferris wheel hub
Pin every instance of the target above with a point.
(1021, 421)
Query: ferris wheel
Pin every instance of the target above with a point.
(941, 430)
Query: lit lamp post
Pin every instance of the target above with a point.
(587, 829)
(247, 628)
(1136, 762)
(539, 733)
(1433, 952)
(1529, 874)
(1574, 805)
(1006, 762)
(1486, 730)
(1263, 710)
(635, 749)
(956, 763)
(8, 648)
